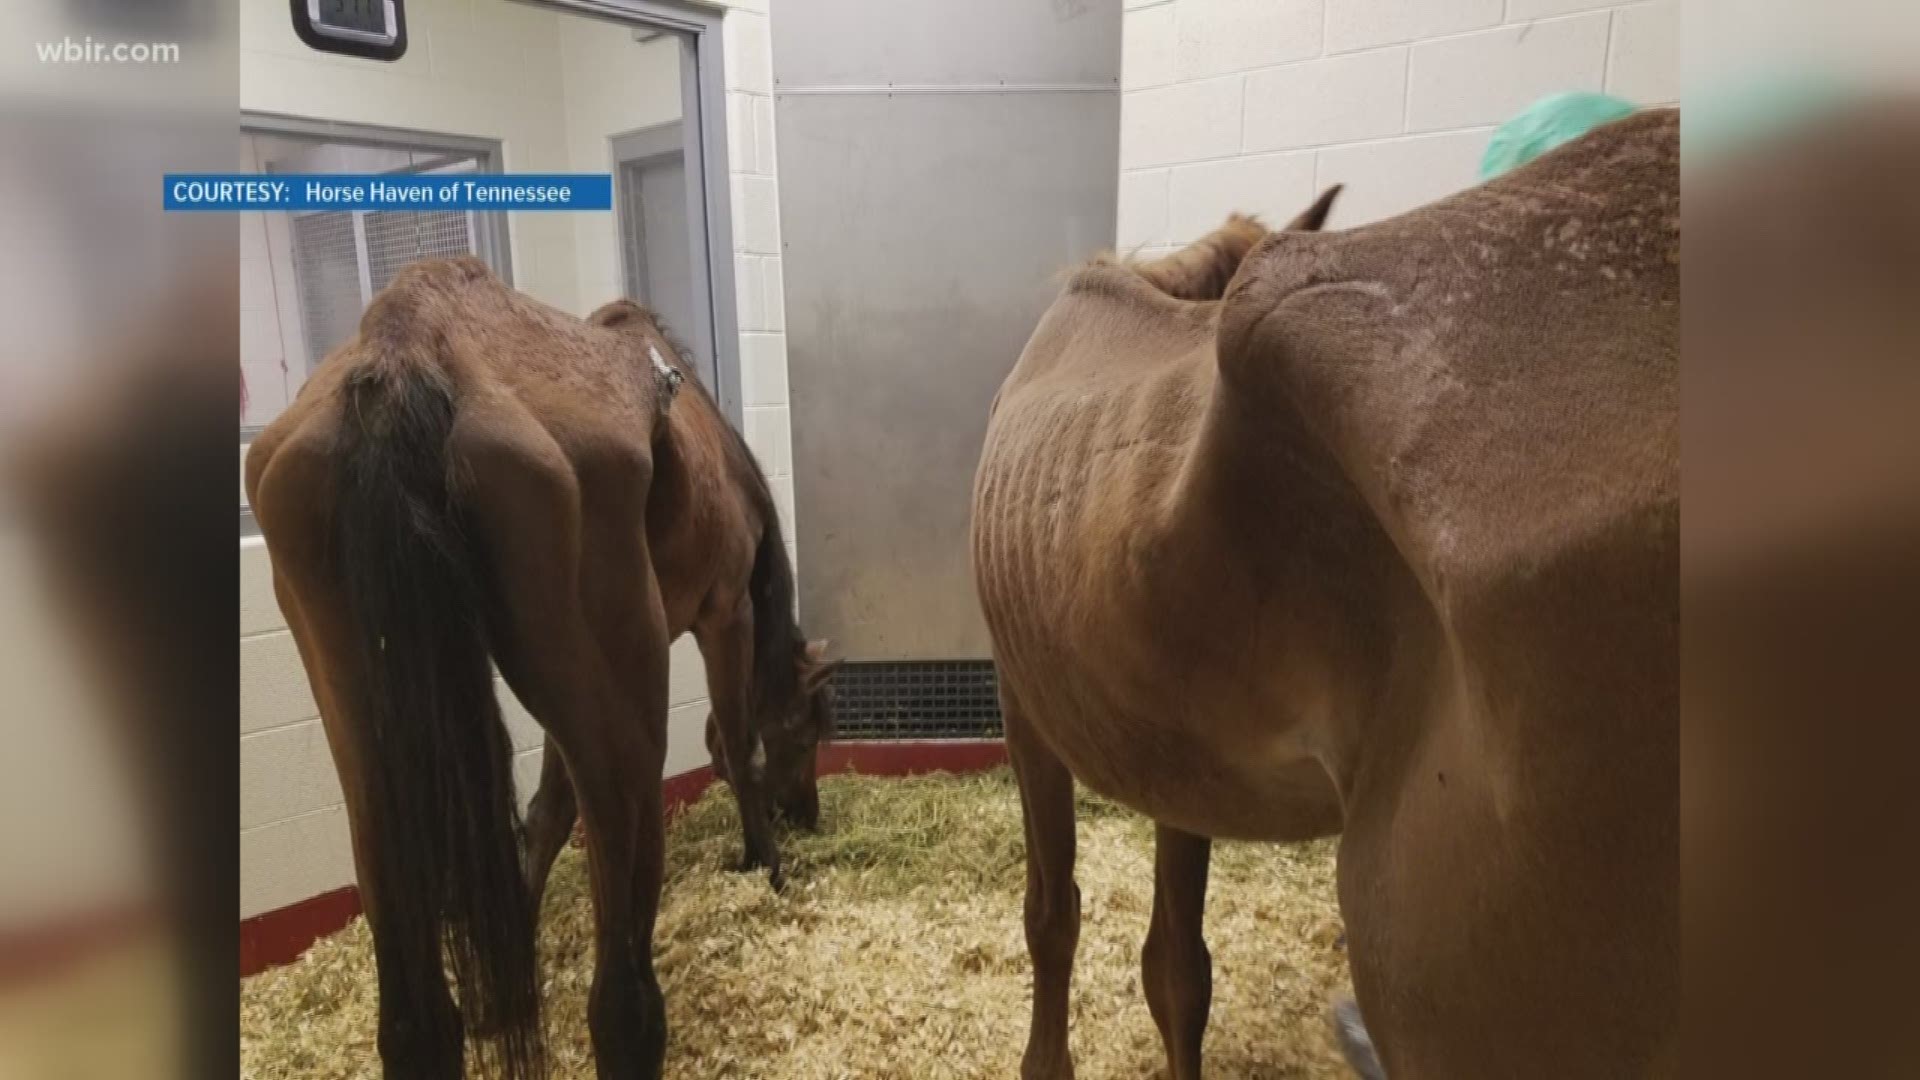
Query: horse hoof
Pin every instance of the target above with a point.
(1350, 1029)
(749, 864)
(1060, 1068)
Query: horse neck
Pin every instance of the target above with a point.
(722, 481)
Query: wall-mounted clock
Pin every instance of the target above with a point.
(374, 29)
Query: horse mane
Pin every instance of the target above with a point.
(1201, 270)
(1198, 273)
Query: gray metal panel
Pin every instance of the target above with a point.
(924, 234)
(932, 42)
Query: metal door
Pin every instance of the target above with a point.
(940, 164)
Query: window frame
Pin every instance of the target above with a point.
(493, 241)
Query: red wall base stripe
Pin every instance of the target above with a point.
(911, 758)
(279, 937)
(679, 792)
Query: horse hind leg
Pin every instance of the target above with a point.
(1053, 898)
(420, 1030)
(580, 636)
(613, 747)
(1176, 969)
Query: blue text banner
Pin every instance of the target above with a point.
(229, 192)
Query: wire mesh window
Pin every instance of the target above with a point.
(398, 237)
(326, 263)
(917, 699)
(344, 258)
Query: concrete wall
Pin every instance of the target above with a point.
(1257, 105)
(499, 70)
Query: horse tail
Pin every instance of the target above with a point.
(438, 774)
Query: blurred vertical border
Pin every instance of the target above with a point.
(1800, 575)
(119, 401)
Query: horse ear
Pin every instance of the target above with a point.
(821, 674)
(815, 668)
(1315, 216)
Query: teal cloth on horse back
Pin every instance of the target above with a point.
(1546, 124)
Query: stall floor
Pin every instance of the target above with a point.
(896, 951)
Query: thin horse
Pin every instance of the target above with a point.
(479, 476)
(1375, 533)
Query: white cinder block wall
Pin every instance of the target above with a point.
(1257, 105)
(486, 68)
(759, 284)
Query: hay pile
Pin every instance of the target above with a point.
(896, 951)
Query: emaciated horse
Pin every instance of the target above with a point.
(477, 475)
(1372, 532)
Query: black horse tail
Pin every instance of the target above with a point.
(777, 642)
(443, 822)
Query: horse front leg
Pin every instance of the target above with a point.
(1176, 969)
(727, 649)
(1053, 898)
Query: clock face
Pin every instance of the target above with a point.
(365, 16)
(375, 29)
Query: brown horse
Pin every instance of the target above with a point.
(477, 475)
(1372, 532)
